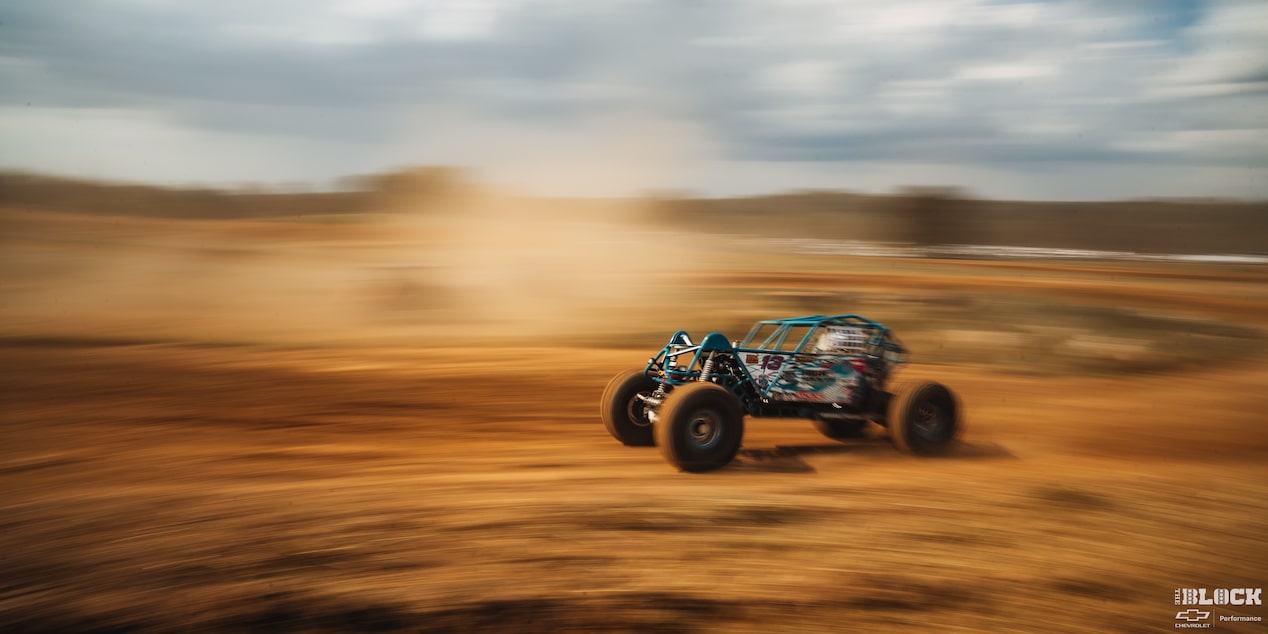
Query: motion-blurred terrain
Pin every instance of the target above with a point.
(377, 410)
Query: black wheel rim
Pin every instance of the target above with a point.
(929, 421)
(705, 429)
(636, 410)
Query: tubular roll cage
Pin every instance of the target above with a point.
(667, 369)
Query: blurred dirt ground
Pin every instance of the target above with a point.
(391, 424)
(183, 488)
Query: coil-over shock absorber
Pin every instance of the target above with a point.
(707, 369)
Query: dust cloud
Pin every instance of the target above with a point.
(532, 267)
(414, 265)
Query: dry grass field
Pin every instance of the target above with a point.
(386, 424)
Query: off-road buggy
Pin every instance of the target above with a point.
(691, 398)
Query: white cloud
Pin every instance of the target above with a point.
(916, 97)
(1234, 143)
(371, 8)
(459, 20)
(1004, 72)
(808, 77)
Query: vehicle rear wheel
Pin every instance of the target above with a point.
(841, 429)
(924, 418)
(624, 414)
(700, 427)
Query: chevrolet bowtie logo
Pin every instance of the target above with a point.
(1192, 614)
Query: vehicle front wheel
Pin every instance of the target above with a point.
(924, 418)
(624, 414)
(700, 427)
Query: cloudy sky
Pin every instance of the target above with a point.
(1051, 99)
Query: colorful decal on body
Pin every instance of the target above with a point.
(764, 368)
(808, 378)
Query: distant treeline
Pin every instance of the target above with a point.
(939, 216)
(50, 193)
(382, 192)
(928, 216)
